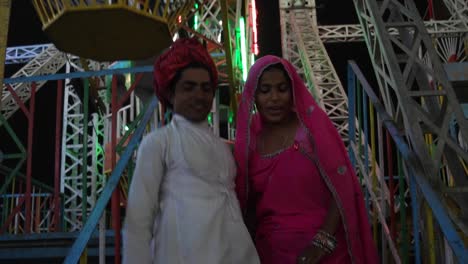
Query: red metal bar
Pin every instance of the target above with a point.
(32, 101)
(452, 58)
(115, 201)
(391, 186)
(430, 7)
(129, 92)
(18, 100)
(12, 215)
(58, 136)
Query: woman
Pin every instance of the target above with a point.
(294, 171)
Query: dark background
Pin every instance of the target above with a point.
(25, 29)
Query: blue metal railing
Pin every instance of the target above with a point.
(80, 244)
(417, 181)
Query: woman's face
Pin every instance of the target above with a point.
(273, 96)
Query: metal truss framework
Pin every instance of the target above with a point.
(72, 161)
(459, 11)
(23, 54)
(408, 95)
(303, 47)
(47, 62)
(212, 19)
(354, 32)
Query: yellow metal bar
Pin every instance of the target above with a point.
(429, 217)
(58, 6)
(66, 4)
(464, 165)
(51, 9)
(84, 257)
(44, 12)
(5, 7)
(166, 8)
(36, 4)
(156, 8)
(430, 234)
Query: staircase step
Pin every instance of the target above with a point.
(48, 247)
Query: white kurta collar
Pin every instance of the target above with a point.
(182, 121)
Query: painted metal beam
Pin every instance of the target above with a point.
(417, 172)
(355, 33)
(80, 244)
(23, 54)
(72, 75)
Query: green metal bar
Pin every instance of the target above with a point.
(84, 177)
(404, 226)
(14, 156)
(12, 134)
(228, 54)
(11, 176)
(131, 129)
(35, 182)
(7, 183)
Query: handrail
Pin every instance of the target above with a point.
(80, 243)
(416, 172)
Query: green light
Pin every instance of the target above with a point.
(243, 49)
(195, 19)
(237, 60)
(210, 118)
(126, 128)
(231, 117)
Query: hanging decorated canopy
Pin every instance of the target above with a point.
(109, 30)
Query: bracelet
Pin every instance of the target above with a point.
(321, 245)
(327, 235)
(324, 241)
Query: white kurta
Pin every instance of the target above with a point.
(182, 207)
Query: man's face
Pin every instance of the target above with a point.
(193, 94)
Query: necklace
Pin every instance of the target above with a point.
(282, 147)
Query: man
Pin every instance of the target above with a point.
(182, 207)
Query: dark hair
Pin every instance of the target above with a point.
(178, 75)
(276, 66)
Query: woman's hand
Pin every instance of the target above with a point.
(311, 255)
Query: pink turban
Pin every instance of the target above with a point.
(183, 52)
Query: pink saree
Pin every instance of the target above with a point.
(292, 189)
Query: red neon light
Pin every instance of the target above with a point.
(254, 27)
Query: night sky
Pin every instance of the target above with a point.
(25, 29)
